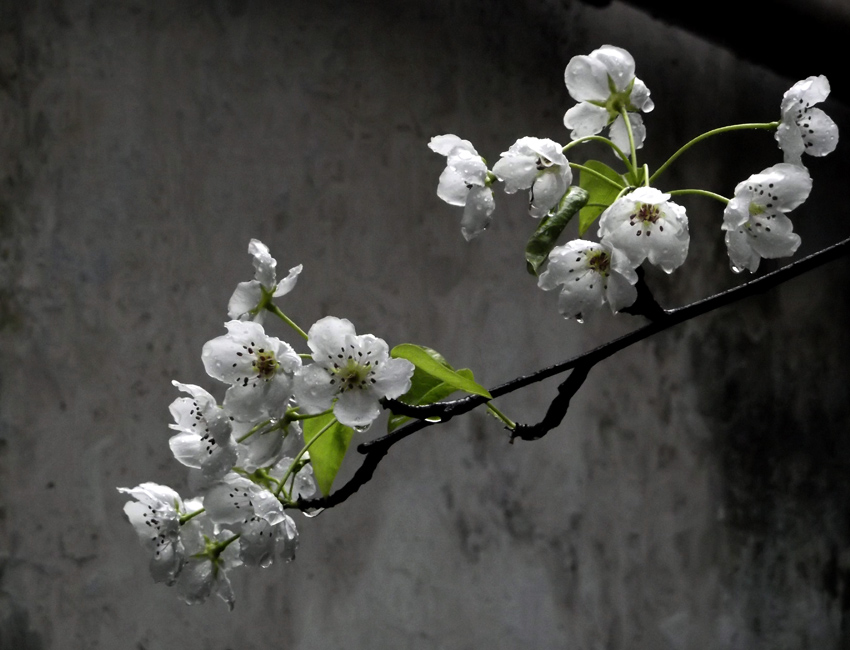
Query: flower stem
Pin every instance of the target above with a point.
(189, 516)
(708, 134)
(292, 417)
(588, 170)
(510, 424)
(301, 453)
(277, 312)
(710, 195)
(599, 138)
(624, 114)
(253, 431)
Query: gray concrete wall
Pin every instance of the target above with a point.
(696, 496)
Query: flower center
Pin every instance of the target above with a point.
(600, 262)
(647, 213)
(265, 364)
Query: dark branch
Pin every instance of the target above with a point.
(557, 409)
(376, 449)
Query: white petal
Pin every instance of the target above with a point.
(639, 97)
(620, 292)
(195, 582)
(782, 187)
(288, 283)
(480, 205)
(314, 388)
(618, 63)
(444, 144)
(517, 171)
(392, 378)
(469, 166)
(548, 189)
(620, 136)
(230, 502)
(452, 188)
(357, 408)
(772, 236)
(327, 335)
(264, 263)
(587, 79)
(585, 119)
(245, 298)
(741, 254)
(257, 543)
(583, 296)
(819, 133)
(809, 91)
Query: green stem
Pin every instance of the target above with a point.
(504, 418)
(708, 134)
(646, 174)
(304, 355)
(710, 195)
(220, 546)
(599, 138)
(189, 516)
(253, 431)
(301, 454)
(588, 170)
(292, 417)
(625, 115)
(277, 312)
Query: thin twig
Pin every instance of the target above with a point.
(375, 450)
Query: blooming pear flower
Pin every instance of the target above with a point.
(645, 224)
(591, 274)
(205, 573)
(538, 164)
(246, 301)
(755, 221)
(155, 514)
(804, 129)
(349, 371)
(255, 513)
(259, 369)
(205, 440)
(604, 82)
(464, 183)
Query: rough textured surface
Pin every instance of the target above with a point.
(696, 495)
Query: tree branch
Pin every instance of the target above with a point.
(375, 450)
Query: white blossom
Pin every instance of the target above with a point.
(204, 574)
(205, 440)
(267, 445)
(259, 369)
(591, 274)
(755, 221)
(349, 371)
(604, 82)
(464, 183)
(247, 297)
(645, 224)
(804, 129)
(155, 514)
(540, 165)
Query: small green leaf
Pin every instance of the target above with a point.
(546, 236)
(422, 359)
(327, 452)
(438, 391)
(600, 192)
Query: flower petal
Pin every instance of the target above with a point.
(288, 283)
(325, 336)
(392, 379)
(480, 205)
(585, 119)
(245, 298)
(264, 263)
(357, 408)
(620, 136)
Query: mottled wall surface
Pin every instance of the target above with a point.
(697, 494)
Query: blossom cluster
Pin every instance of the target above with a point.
(639, 222)
(247, 454)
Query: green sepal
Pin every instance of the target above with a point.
(600, 192)
(546, 236)
(432, 363)
(327, 452)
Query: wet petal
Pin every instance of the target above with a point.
(288, 283)
(357, 408)
(480, 205)
(245, 298)
(392, 379)
(585, 119)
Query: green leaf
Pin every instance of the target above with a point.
(423, 359)
(327, 452)
(437, 391)
(600, 192)
(546, 236)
